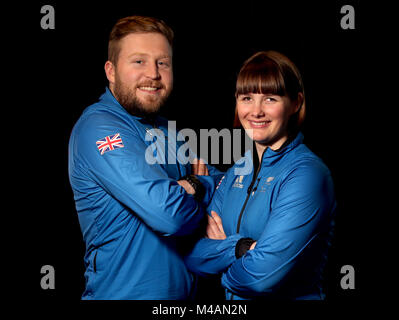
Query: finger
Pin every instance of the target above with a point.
(211, 232)
(212, 223)
(201, 167)
(215, 216)
(208, 232)
(218, 225)
(214, 229)
(217, 220)
(253, 246)
(211, 229)
(194, 166)
(189, 189)
(206, 171)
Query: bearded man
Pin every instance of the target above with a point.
(132, 213)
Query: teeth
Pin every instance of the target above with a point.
(149, 88)
(259, 123)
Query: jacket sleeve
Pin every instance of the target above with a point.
(213, 256)
(210, 182)
(124, 173)
(304, 203)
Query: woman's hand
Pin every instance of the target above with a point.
(214, 229)
(199, 167)
(184, 183)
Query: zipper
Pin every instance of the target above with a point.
(249, 190)
(256, 187)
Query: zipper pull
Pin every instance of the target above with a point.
(250, 187)
(256, 188)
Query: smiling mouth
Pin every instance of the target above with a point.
(259, 124)
(149, 88)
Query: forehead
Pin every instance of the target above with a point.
(153, 44)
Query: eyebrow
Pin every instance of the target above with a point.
(146, 54)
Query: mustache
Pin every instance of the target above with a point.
(156, 84)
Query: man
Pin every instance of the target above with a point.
(131, 212)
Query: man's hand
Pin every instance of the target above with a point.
(184, 183)
(214, 229)
(199, 167)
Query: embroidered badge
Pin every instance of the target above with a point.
(217, 187)
(109, 143)
(238, 182)
(267, 183)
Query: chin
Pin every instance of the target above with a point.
(261, 139)
(151, 108)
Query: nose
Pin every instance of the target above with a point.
(152, 71)
(257, 110)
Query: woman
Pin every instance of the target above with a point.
(268, 232)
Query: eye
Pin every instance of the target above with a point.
(138, 61)
(270, 99)
(244, 98)
(163, 64)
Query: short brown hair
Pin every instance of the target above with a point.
(271, 72)
(135, 24)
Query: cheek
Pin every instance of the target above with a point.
(133, 77)
(167, 78)
(279, 113)
(275, 112)
(242, 112)
(128, 75)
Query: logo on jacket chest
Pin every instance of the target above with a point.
(260, 185)
(265, 183)
(238, 182)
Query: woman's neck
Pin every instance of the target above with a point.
(260, 148)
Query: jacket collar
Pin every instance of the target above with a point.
(272, 156)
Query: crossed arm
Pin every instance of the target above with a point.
(299, 213)
(214, 229)
(199, 168)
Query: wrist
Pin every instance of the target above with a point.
(195, 183)
(187, 186)
(242, 246)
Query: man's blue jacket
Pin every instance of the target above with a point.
(287, 206)
(131, 211)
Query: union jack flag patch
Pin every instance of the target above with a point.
(220, 182)
(109, 143)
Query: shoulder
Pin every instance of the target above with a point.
(95, 116)
(303, 159)
(98, 121)
(99, 129)
(307, 171)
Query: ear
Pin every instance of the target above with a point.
(298, 102)
(110, 72)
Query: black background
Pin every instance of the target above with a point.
(60, 72)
